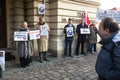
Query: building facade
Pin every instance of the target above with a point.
(14, 12)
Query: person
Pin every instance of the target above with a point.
(69, 31)
(81, 38)
(92, 38)
(25, 48)
(1, 72)
(108, 62)
(43, 41)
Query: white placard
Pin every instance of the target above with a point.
(35, 34)
(84, 30)
(41, 8)
(70, 32)
(2, 57)
(20, 36)
(44, 31)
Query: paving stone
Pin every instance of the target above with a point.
(66, 79)
(76, 68)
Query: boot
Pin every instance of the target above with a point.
(45, 56)
(41, 57)
(70, 55)
(30, 59)
(22, 62)
(0, 72)
(27, 61)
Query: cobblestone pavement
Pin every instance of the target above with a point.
(76, 68)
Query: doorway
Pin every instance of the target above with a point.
(3, 33)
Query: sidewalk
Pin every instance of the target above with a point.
(76, 68)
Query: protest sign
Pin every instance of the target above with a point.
(35, 34)
(20, 36)
(84, 30)
(69, 31)
(44, 31)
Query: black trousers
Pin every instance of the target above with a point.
(78, 46)
(68, 42)
(95, 47)
(101, 79)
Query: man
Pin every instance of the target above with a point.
(108, 61)
(43, 41)
(69, 31)
(81, 39)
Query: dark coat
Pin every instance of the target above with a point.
(81, 37)
(64, 31)
(92, 37)
(25, 48)
(104, 65)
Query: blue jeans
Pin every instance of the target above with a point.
(68, 42)
(90, 46)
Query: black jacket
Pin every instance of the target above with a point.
(81, 37)
(73, 33)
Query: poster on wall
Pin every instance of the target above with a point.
(20, 36)
(41, 8)
(35, 34)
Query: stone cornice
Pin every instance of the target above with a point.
(91, 2)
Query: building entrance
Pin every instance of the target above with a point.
(3, 33)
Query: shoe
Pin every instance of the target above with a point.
(95, 52)
(23, 66)
(41, 61)
(76, 54)
(83, 54)
(64, 56)
(46, 59)
(45, 56)
(70, 55)
(88, 52)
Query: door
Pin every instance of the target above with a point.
(3, 36)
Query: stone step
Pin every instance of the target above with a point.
(10, 54)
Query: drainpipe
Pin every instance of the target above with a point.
(45, 7)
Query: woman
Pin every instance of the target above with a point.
(92, 38)
(25, 49)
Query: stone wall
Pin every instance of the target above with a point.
(64, 10)
(15, 16)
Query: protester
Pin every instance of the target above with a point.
(92, 39)
(69, 31)
(43, 41)
(25, 48)
(108, 61)
(81, 38)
